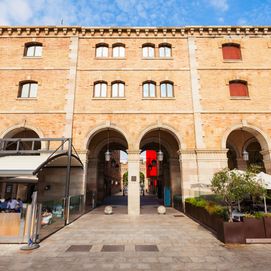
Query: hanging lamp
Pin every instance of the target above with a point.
(160, 153)
(245, 154)
(107, 153)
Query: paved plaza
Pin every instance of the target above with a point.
(148, 242)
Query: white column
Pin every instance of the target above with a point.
(133, 182)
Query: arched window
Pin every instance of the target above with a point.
(148, 50)
(102, 50)
(238, 88)
(118, 50)
(28, 89)
(231, 51)
(100, 89)
(33, 49)
(149, 89)
(166, 89)
(118, 89)
(164, 50)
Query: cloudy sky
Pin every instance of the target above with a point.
(135, 12)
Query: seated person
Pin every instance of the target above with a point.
(46, 217)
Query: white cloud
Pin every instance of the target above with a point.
(220, 5)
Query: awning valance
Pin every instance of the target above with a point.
(29, 165)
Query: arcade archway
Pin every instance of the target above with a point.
(104, 174)
(162, 173)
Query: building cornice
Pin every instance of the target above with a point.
(198, 31)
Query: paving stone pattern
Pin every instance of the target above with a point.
(182, 245)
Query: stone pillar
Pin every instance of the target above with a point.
(197, 169)
(241, 164)
(84, 158)
(133, 182)
(267, 160)
(71, 86)
(189, 172)
(209, 162)
(175, 176)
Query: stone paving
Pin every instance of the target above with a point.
(182, 245)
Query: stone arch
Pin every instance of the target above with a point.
(101, 128)
(17, 127)
(162, 127)
(261, 136)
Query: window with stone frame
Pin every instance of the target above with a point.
(100, 89)
(118, 50)
(102, 50)
(238, 88)
(33, 49)
(231, 51)
(166, 89)
(28, 89)
(165, 50)
(148, 50)
(117, 89)
(149, 89)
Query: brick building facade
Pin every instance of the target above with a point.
(193, 92)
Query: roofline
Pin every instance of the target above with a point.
(117, 31)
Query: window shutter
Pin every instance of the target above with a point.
(231, 52)
(238, 89)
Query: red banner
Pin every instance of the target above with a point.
(151, 163)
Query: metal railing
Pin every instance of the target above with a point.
(9, 146)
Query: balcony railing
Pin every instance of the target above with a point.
(16, 146)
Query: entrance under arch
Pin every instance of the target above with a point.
(106, 160)
(163, 176)
(244, 150)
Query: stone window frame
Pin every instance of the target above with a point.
(118, 45)
(94, 86)
(117, 82)
(155, 89)
(30, 83)
(34, 44)
(233, 41)
(102, 45)
(242, 80)
(165, 45)
(148, 45)
(172, 84)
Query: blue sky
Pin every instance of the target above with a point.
(135, 12)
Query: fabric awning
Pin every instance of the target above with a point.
(29, 165)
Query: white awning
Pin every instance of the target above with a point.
(29, 165)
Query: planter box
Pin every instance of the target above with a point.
(232, 233)
(254, 228)
(267, 226)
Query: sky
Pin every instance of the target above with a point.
(135, 12)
